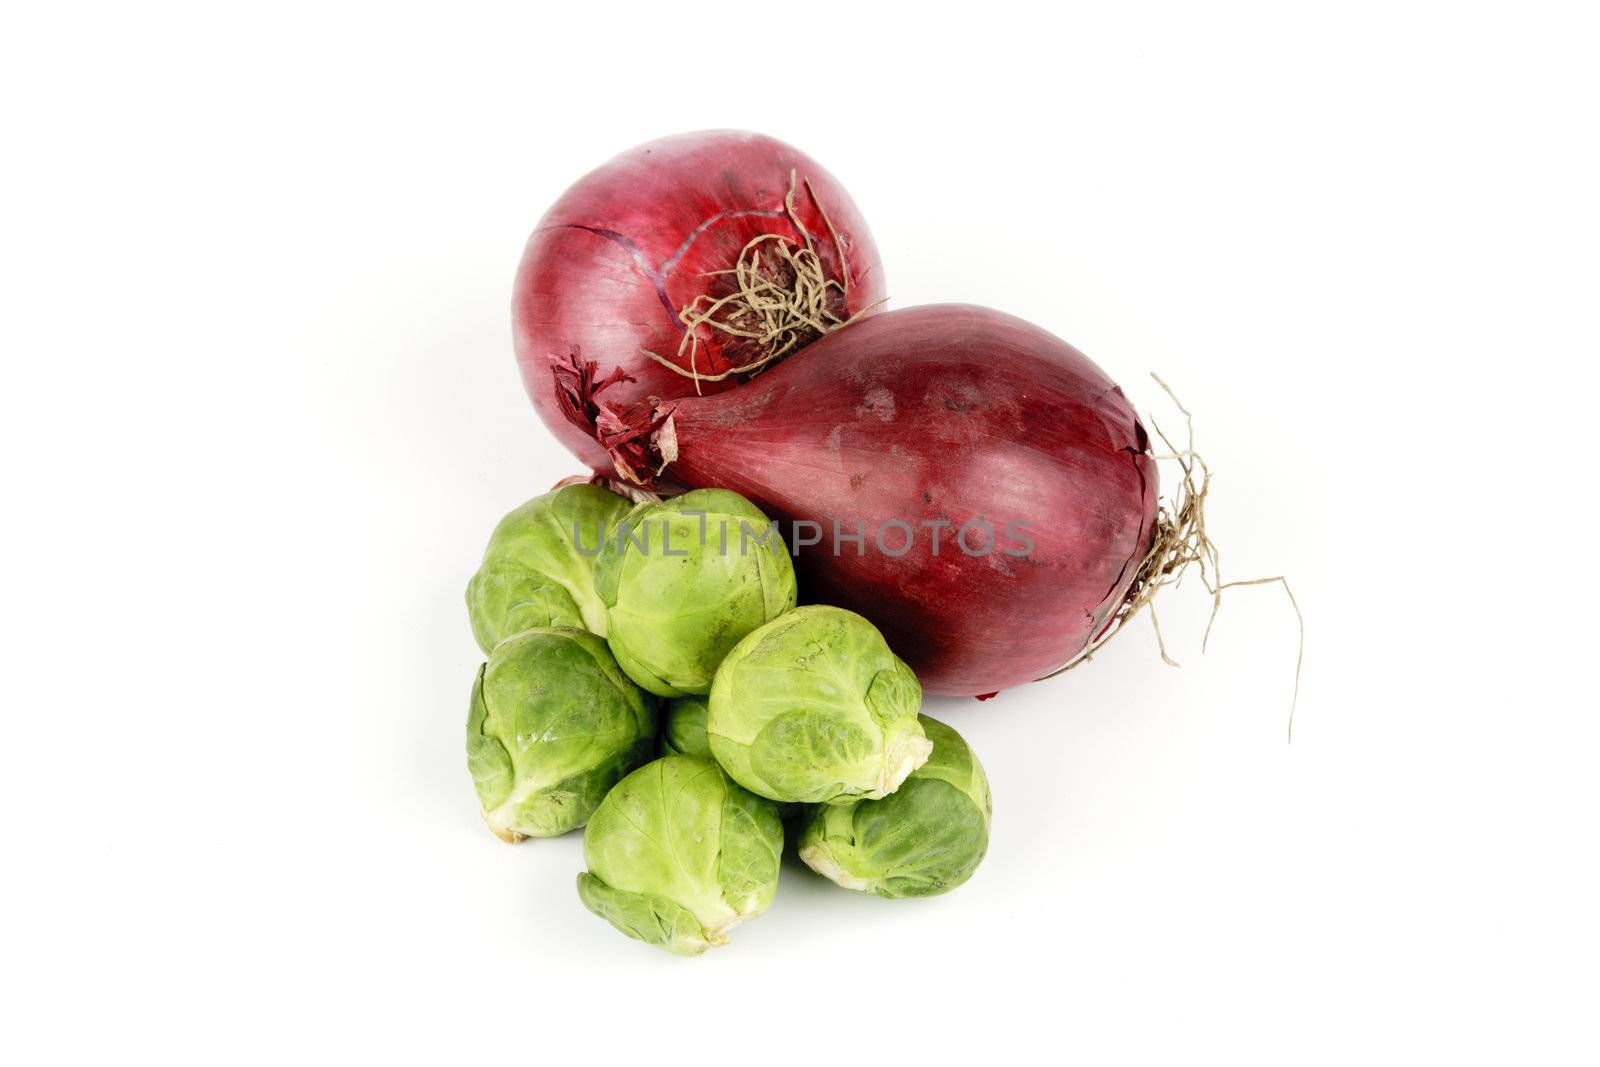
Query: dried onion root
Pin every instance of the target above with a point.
(782, 299)
(1181, 542)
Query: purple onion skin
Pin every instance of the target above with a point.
(956, 413)
(611, 263)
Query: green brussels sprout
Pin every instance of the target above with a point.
(814, 708)
(554, 724)
(679, 855)
(683, 733)
(539, 567)
(925, 838)
(683, 728)
(684, 580)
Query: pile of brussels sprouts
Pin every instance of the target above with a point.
(650, 678)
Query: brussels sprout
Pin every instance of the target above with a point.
(679, 855)
(925, 838)
(683, 728)
(554, 724)
(535, 574)
(814, 708)
(684, 580)
(683, 733)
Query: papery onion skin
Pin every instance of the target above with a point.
(948, 412)
(607, 269)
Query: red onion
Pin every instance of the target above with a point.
(640, 256)
(945, 413)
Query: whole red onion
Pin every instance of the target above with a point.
(945, 413)
(611, 267)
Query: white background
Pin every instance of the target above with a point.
(260, 413)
